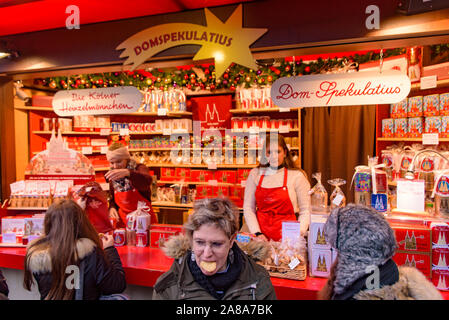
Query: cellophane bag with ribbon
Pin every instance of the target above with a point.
(318, 195)
(93, 199)
(137, 221)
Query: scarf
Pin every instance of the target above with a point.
(219, 283)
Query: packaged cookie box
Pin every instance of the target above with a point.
(433, 125)
(422, 262)
(84, 123)
(226, 176)
(316, 239)
(444, 131)
(220, 191)
(444, 104)
(182, 174)
(401, 128)
(14, 224)
(415, 127)
(414, 107)
(413, 238)
(440, 278)
(431, 105)
(388, 128)
(201, 175)
(440, 258)
(204, 192)
(168, 174)
(440, 234)
(320, 262)
(399, 110)
(242, 175)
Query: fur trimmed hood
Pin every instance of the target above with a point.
(40, 261)
(177, 246)
(412, 285)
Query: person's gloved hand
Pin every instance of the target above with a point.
(116, 174)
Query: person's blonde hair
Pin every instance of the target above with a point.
(220, 212)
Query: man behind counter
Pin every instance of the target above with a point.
(129, 183)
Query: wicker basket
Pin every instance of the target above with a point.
(299, 273)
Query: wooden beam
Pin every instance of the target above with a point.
(7, 135)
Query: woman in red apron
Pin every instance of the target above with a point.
(129, 183)
(275, 192)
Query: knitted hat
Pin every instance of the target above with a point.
(362, 237)
(117, 151)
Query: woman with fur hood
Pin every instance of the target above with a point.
(364, 269)
(208, 262)
(70, 240)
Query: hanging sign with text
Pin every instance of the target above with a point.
(226, 42)
(356, 88)
(97, 101)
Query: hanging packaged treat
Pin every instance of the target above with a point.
(427, 163)
(387, 159)
(441, 194)
(388, 128)
(318, 195)
(337, 198)
(406, 160)
(362, 185)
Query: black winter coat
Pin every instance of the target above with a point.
(3, 285)
(103, 274)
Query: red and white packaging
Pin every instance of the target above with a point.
(14, 225)
(182, 174)
(142, 238)
(226, 176)
(221, 191)
(440, 258)
(119, 237)
(204, 192)
(440, 279)
(422, 262)
(413, 238)
(440, 234)
(168, 174)
(157, 235)
(201, 175)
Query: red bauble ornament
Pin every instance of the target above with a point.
(192, 75)
(232, 88)
(287, 68)
(277, 71)
(189, 86)
(206, 71)
(226, 76)
(242, 71)
(186, 77)
(77, 82)
(100, 81)
(192, 80)
(307, 69)
(212, 87)
(270, 78)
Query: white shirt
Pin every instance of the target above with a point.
(298, 190)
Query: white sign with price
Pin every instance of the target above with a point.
(410, 195)
(430, 139)
(291, 230)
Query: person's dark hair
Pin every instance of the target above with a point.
(65, 222)
(288, 161)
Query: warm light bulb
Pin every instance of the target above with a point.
(4, 55)
(219, 56)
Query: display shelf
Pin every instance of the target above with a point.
(246, 111)
(219, 166)
(171, 204)
(417, 85)
(409, 139)
(27, 208)
(152, 133)
(191, 149)
(223, 184)
(33, 108)
(94, 133)
(267, 131)
(155, 114)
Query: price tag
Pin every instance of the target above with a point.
(212, 166)
(253, 130)
(162, 111)
(243, 183)
(124, 131)
(284, 109)
(86, 150)
(166, 131)
(428, 82)
(104, 150)
(291, 230)
(430, 138)
(284, 129)
(293, 263)
(105, 131)
(337, 199)
(410, 195)
(213, 183)
(9, 238)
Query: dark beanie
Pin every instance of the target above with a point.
(364, 239)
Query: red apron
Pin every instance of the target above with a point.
(273, 207)
(127, 203)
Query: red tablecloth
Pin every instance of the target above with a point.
(144, 265)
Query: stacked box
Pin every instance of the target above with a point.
(415, 127)
(201, 175)
(221, 191)
(319, 250)
(431, 105)
(415, 107)
(414, 247)
(401, 109)
(444, 104)
(440, 255)
(204, 192)
(401, 128)
(394, 110)
(444, 132)
(388, 128)
(433, 125)
(226, 176)
(182, 174)
(168, 174)
(242, 175)
(161, 232)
